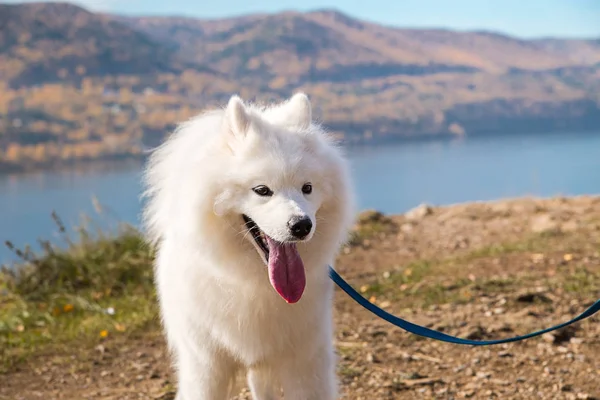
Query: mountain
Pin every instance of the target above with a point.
(81, 85)
(42, 42)
(327, 43)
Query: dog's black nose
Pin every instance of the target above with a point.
(300, 227)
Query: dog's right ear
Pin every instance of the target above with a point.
(238, 119)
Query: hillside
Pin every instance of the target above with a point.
(78, 85)
(327, 44)
(53, 42)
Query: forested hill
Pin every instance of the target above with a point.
(81, 85)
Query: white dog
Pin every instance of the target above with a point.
(247, 207)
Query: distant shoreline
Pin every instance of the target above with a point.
(372, 143)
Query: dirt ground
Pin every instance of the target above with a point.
(482, 271)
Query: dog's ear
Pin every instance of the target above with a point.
(295, 113)
(237, 117)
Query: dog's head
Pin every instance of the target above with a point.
(282, 182)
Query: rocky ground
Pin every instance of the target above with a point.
(480, 271)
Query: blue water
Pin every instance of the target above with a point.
(391, 178)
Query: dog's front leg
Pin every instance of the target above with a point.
(311, 378)
(262, 383)
(203, 375)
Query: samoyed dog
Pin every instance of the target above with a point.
(247, 207)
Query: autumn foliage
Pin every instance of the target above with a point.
(76, 85)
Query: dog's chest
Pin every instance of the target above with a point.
(258, 325)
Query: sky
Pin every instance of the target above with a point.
(523, 18)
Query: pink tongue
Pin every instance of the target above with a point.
(286, 270)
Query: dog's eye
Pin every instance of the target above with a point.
(307, 188)
(263, 190)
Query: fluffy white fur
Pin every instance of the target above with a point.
(220, 313)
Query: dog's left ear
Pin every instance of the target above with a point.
(236, 123)
(237, 117)
(295, 113)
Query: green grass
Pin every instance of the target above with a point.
(412, 285)
(537, 242)
(349, 372)
(96, 287)
(421, 284)
(582, 280)
(370, 224)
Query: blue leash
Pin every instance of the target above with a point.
(432, 334)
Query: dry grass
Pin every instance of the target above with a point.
(97, 286)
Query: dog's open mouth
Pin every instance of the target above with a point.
(258, 236)
(286, 270)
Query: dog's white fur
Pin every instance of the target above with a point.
(220, 313)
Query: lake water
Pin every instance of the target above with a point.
(391, 178)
